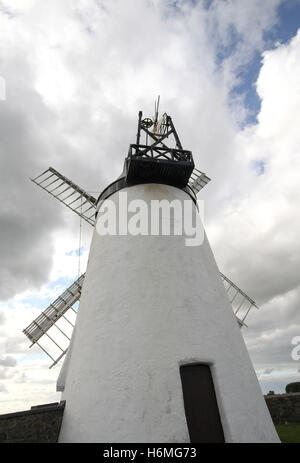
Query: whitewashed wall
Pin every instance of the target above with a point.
(150, 304)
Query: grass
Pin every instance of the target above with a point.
(289, 433)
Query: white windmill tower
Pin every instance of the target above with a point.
(157, 354)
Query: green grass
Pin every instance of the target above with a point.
(289, 433)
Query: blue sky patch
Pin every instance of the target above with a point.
(248, 77)
(75, 252)
(43, 302)
(259, 167)
(285, 30)
(287, 27)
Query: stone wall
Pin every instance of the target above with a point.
(284, 408)
(40, 424)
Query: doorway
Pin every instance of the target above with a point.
(200, 404)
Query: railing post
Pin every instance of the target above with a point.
(138, 135)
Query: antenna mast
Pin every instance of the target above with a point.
(155, 122)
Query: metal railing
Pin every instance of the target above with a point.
(160, 152)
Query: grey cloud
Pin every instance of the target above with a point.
(45, 381)
(86, 136)
(277, 383)
(26, 222)
(16, 344)
(30, 142)
(3, 388)
(8, 361)
(7, 373)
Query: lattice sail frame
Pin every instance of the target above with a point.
(241, 303)
(68, 193)
(198, 180)
(49, 318)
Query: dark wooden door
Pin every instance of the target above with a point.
(200, 403)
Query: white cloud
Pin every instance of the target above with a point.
(261, 225)
(3, 388)
(76, 73)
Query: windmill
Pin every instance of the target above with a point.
(152, 169)
(84, 205)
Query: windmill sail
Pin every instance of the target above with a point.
(49, 318)
(68, 193)
(241, 303)
(82, 203)
(198, 180)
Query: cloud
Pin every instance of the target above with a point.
(76, 74)
(3, 388)
(264, 207)
(260, 224)
(84, 77)
(8, 361)
(7, 373)
(26, 238)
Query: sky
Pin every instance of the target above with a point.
(73, 76)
